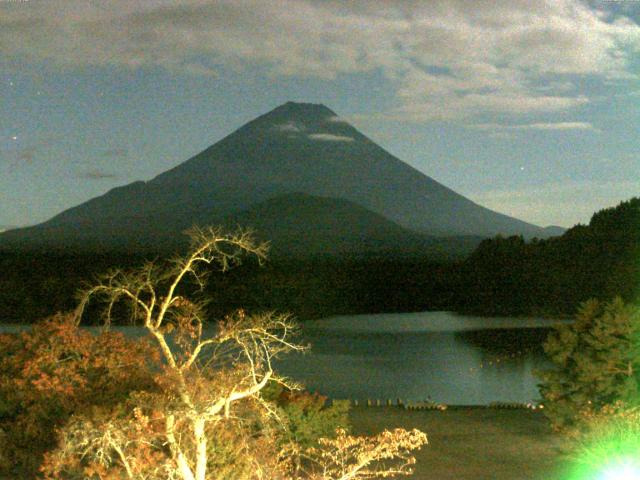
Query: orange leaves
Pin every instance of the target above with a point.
(57, 369)
(197, 411)
(385, 455)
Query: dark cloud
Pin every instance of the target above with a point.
(29, 153)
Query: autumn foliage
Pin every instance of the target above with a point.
(348, 457)
(55, 370)
(186, 402)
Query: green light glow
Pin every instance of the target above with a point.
(622, 470)
(611, 449)
(611, 468)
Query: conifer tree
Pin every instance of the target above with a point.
(597, 362)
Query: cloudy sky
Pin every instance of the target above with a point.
(528, 107)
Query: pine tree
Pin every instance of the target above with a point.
(597, 362)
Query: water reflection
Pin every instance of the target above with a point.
(468, 367)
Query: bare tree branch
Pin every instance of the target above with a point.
(205, 380)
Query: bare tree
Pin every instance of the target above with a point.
(203, 379)
(246, 343)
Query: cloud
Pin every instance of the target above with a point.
(328, 137)
(500, 135)
(29, 153)
(445, 59)
(26, 155)
(556, 86)
(115, 153)
(564, 204)
(98, 175)
(536, 126)
(558, 126)
(289, 127)
(337, 119)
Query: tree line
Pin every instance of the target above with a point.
(35, 285)
(503, 276)
(552, 277)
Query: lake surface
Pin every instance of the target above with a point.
(438, 356)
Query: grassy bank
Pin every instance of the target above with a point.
(474, 443)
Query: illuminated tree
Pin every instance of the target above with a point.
(208, 417)
(346, 457)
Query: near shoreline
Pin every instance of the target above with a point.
(474, 443)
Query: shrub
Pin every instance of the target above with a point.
(307, 416)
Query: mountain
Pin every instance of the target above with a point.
(297, 147)
(552, 231)
(299, 225)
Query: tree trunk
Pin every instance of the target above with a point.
(176, 453)
(201, 448)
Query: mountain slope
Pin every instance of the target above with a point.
(300, 225)
(294, 148)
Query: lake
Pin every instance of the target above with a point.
(438, 356)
